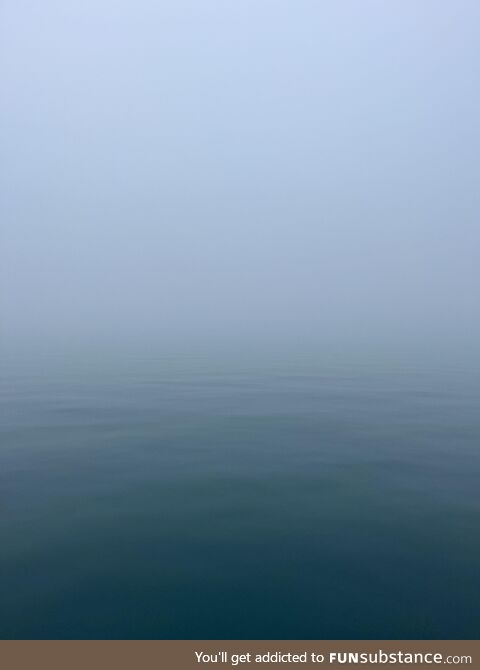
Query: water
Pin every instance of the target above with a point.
(183, 498)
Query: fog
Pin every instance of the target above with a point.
(297, 174)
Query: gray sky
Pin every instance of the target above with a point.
(249, 170)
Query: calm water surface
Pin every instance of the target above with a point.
(171, 498)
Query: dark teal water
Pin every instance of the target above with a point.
(186, 499)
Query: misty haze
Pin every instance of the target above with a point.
(239, 319)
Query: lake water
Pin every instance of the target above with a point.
(186, 498)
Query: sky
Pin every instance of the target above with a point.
(301, 173)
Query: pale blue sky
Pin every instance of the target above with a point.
(298, 172)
